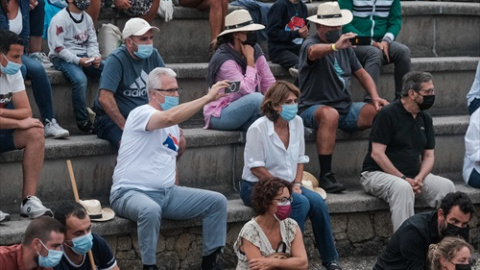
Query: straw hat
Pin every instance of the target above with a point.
(329, 14)
(239, 21)
(136, 27)
(309, 181)
(95, 210)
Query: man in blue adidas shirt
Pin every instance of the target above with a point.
(123, 82)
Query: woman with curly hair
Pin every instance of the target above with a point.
(452, 253)
(271, 240)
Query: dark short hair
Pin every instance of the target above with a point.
(42, 228)
(277, 94)
(227, 38)
(264, 192)
(413, 81)
(68, 209)
(457, 198)
(8, 38)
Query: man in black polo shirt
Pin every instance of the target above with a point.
(401, 151)
(408, 246)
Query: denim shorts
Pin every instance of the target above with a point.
(6, 140)
(346, 122)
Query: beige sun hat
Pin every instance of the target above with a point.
(95, 210)
(136, 27)
(238, 21)
(309, 181)
(329, 14)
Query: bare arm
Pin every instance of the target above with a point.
(22, 107)
(109, 105)
(261, 172)
(318, 51)
(428, 158)
(298, 261)
(182, 112)
(369, 85)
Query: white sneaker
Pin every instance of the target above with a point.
(42, 58)
(34, 208)
(293, 72)
(91, 114)
(4, 216)
(53, 129)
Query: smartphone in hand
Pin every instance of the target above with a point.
(361, 40)
(233, 87)
(90, 60)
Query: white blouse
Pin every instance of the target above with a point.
(472, 146)
(265, 149)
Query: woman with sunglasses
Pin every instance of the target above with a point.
(452, 253)
(275, 147)
(271, 240)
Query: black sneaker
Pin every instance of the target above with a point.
(329, 183)
(332, 265)
(86, 126)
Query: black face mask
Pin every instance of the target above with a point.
(333, 35)
(82, 4)
(463, 267)
(452, 230)
(251, 39)
(427, 102)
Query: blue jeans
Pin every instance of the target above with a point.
(106, 129)
(41, 87)
(346, 122)
(239, 114)
(474, 179)
(308, 204)
(147, 208)
(77, 75)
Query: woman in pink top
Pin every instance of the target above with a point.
(238, 59)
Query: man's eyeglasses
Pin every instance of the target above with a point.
(170, 91)
(284, 200)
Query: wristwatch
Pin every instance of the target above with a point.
(403, 177)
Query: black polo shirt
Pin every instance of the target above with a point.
(408, 247)
(406, 138)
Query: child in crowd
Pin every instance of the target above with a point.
(74, 51)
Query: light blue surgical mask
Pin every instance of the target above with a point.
(289, 111)
(143, 50)
(11, 68)
(82, 244)
(169, 103)
(52, 259)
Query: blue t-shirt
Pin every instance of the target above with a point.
(102, 255)
(127, 79)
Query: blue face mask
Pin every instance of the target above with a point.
(82, 244)
(169, 103)
(289, 111)
(143, 50)
(11, 68)
(52, 259)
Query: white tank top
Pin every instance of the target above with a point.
(16, 25)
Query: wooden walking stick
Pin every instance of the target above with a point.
(77, 198)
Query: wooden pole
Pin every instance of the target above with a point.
(77, 198)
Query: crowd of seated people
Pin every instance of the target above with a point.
(138, 102)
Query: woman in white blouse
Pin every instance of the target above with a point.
(275, 147)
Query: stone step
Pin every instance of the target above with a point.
(428, 29)
(453, 77)
(361, 226)
(213, 160)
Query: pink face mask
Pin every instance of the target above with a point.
(283, 211)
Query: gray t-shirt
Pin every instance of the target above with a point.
(326, 80)
(127, 79)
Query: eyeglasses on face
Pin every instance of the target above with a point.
(169, 91)
(284, 200)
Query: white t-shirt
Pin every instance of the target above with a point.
(265, 149)
(16, 25)
(146, 159)
(472, 146)
(10, 84)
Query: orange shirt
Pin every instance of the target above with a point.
(11, 258)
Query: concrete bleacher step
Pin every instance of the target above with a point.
(453, 77)
(213, 160)
(185, 39)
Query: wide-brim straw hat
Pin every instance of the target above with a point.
(329, 14)
(95, 210)
(309, 181)
(239, 21)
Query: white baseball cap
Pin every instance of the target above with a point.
(136, 27)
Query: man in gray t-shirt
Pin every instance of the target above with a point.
(123, 81)
(327, 63)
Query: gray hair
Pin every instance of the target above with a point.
(153, 80)
(413, 81)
